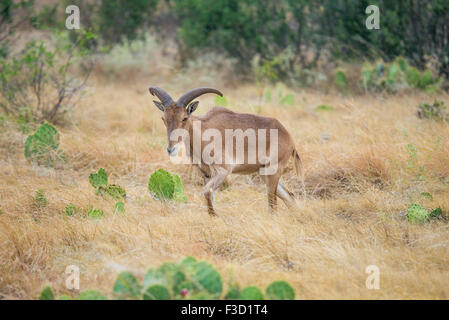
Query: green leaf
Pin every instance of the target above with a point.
(47, 294)
(417, 214)
(95, 213)
(99, 179)
(127, 285)
(91, 295)
(156, 292)
(280, 290)
(251, 293)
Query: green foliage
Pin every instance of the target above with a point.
(99, 181)
(122, 19)
(324, 108)
(40, 83)
(95, 213)
(280, 290)
(70, 210)
(208, 278)
(156, 292)
(91, 295)
(251, 293)
(119, 207)
(189, 279)
(288, 99)
(164, 185)
(40, 198)
(416, 213)
(233, 292)
(436, 213)
(47, 294)
(116, 192)
(436, 111)
(126, 285)
(42, 146)
(220, 101)
(341, 81)
(397, 76)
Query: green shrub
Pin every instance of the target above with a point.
(40, 83)
(42, 146)
(397, 76)
(341, 81)
(436, 111)
(164, 185)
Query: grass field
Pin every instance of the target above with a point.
(365, 162)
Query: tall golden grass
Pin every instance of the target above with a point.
(360, 177)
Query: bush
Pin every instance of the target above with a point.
(39, 83)
(436, 111)
(122, 19)
(396, 76)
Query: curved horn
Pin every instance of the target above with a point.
(162, 95)
(184, 100)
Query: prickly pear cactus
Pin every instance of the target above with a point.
(251, 293)
(41, 147)
(127, 285)
(116, 192)
(99, 179)
(208, 278)
(417, 214)
(156, 292)
(91, 295)
(119, 207)
(280, 290)
(47, 294)
(163, 185)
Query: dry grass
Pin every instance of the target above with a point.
(359, 178)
